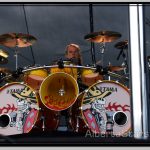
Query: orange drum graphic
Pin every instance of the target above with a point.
(18, 109)
(106, 108)
(59, 91)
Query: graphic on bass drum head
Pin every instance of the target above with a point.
(59, 91)
(106, 108)
(19, 109)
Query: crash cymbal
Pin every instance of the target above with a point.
(3, 60)
(116, 68)
(17, 40)
(122, 45)
(102, 36)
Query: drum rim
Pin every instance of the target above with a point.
(46, 79)
(56, 66)
(105, 81)
(22, 83)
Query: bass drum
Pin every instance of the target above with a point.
(106, 108)
(19, 109)
(76, 121)
(47, 120)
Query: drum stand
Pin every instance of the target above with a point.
(102, 50)
(16, 56)
(109, 123)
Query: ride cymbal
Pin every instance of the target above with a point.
(122, 45)
(17, 40)
(102, 36)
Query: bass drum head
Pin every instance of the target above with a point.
(19, 109)
(59, 91)
(106, 108)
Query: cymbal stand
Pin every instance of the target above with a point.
(124, 64)
(16, 56)
(102, 50)
(109, 77)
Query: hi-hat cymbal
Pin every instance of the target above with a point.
(4, 53)
(3, 60)
(122, 45)
(102, 36)
(116, 68)
(17, 40)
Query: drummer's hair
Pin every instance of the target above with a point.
(74, 45)
(77, 47)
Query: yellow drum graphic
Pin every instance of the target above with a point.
(67, 69)
(59, 91)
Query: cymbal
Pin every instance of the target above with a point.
(4, 53)
(116, 68)
(3, 60)
(122, 45)
(17, 40)
(102, 36)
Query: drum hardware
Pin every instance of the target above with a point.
(148, 60)
(123, 47)
(109, 123)
(4, 74)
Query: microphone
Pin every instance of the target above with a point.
(17, 73)
(60, 64)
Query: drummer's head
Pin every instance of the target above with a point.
(72, 51)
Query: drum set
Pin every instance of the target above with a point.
(34, 97)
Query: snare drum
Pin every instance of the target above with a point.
(89, 77)
(106, 108)
(19, 109)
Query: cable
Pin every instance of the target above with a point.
(28, 33)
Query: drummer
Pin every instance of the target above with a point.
(72, 53)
